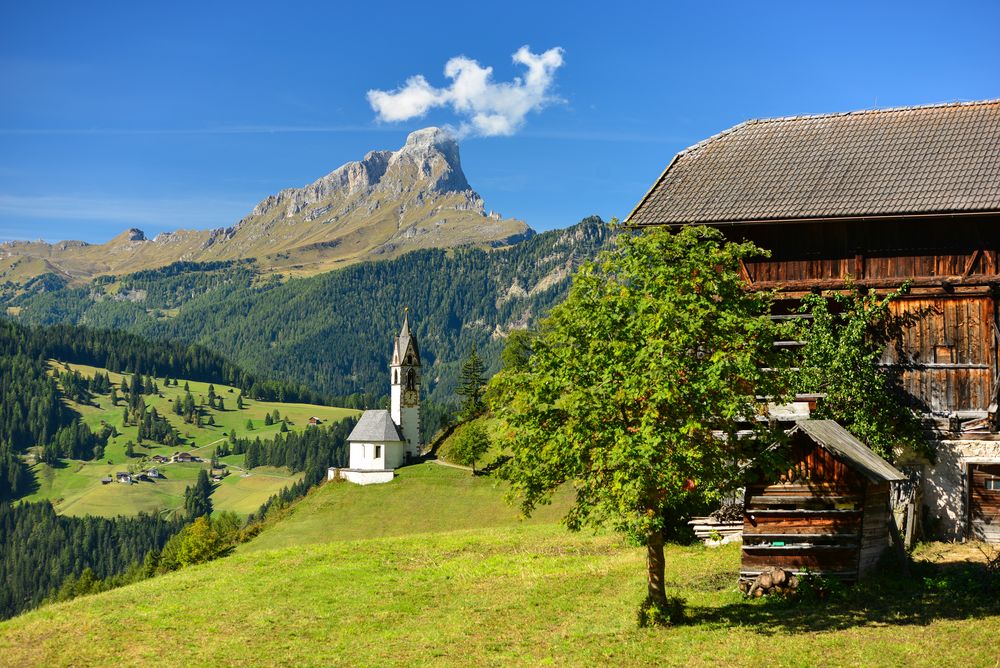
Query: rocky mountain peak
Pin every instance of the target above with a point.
(431, 153)
(130, 235)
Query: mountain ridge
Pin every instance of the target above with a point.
(381, 206)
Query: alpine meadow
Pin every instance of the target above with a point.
(349, 335)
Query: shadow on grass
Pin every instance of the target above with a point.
(963, 590)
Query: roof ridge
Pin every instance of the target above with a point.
(832, 114)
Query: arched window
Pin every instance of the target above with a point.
(395, 377)
(411, 379)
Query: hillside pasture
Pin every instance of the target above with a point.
(510, 596)
(75, 487)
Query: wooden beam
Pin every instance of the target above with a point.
(943, 282)
(971, 263)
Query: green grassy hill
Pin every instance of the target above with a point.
(75, 487)
(421, 589)
(428, 498)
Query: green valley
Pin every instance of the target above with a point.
(75, 487)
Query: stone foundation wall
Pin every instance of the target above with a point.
(945, 493)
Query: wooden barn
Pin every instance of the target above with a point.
(875, 198)
(828, 513)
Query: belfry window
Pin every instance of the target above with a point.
(411, 379)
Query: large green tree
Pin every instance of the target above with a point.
(643, 389)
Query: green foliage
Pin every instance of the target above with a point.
(841, 359)
(470, 445)
(471, 385)
(658, 613)
(206, 539)
(641, 388)
(198, 499)
(42, 552)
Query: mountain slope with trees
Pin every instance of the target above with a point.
(332, 332)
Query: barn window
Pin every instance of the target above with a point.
(992, 484)
(378, 451)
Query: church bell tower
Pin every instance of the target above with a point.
(405, 376)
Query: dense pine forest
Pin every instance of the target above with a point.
(332, 332)
(39, 549)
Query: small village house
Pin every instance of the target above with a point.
(314, 421)
(124, 477)
(184, 457)
(875, 199)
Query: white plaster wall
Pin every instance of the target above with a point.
(944, 486)
(395, 397)
(363, 456)
(367, 477)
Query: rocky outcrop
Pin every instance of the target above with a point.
(383, 205)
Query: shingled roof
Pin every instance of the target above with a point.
(842, 443)
(913, 160)
(375, 426)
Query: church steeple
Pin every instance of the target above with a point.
(405, 395)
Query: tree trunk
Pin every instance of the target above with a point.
(656, 592)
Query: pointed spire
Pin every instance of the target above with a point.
(406, 341)
(405, 332)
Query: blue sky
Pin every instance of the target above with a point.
(181, 115)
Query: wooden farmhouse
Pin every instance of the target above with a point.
(877, 198)
(828, 513)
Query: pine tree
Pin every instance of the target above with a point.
(471, 385)
(198, 499)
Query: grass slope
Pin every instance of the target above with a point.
(427, 498)
(75, 487)
(497, 595)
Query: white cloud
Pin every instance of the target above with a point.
(489, 108)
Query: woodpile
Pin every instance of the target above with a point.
(770, 582)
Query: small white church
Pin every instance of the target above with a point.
(384, 440)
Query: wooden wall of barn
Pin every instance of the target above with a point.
(949, 361)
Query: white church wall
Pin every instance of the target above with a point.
(367, 477)
(377, 456)
(411, 428)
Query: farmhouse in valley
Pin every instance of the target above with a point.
(384, 440)
(878, 198)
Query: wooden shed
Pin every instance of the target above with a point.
(828, 513)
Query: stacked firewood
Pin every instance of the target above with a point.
(773, 581)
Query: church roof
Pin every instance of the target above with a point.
(405, 340)
(375, 426)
